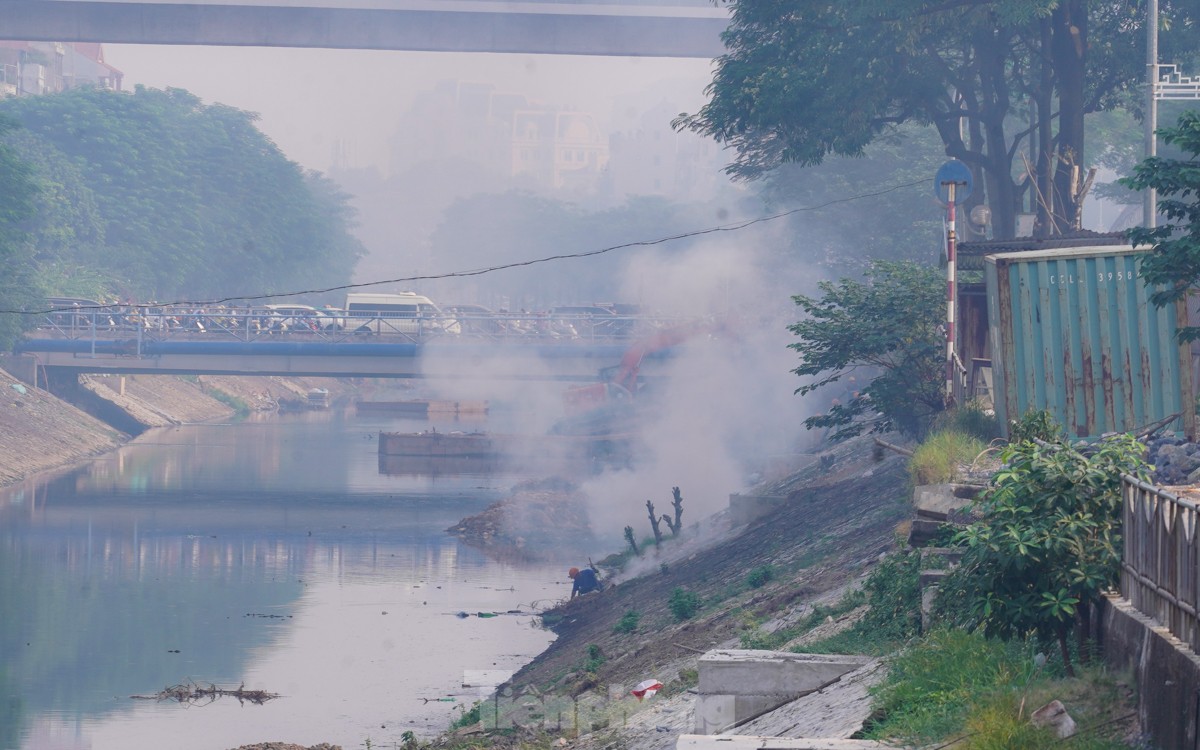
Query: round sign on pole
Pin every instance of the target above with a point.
(958, 173)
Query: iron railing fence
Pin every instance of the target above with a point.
(137, 325)
(1160, 571)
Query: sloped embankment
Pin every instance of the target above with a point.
(838, 519)
(40, 432)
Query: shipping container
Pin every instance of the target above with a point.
(1073, 332)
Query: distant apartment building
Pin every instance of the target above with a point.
(518, 141)
(50, 67)
(560, 150)
(655, 160)
(512, 136)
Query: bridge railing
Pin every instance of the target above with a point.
(137, 325)
(1160, 573)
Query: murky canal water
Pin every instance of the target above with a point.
(272, 554)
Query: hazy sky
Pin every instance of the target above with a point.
(312, 100)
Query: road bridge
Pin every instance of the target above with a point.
(515, 347)
(632, 29)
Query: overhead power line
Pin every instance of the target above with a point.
(734, 227)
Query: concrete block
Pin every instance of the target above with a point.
(938, 501)
(737, 685)
(701, 742)
(746, 508)
(922, 532)
(754, 672)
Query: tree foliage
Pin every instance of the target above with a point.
(803, 81)
(18, 193)
(1173, 266)
(1049, 541)
(192, 200)
(885, 329)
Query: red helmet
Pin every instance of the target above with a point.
(572, 572)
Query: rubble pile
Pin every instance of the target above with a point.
(1175, 460)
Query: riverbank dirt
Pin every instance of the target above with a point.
(40, 432)
(841, 515)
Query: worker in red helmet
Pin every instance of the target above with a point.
(586, 581)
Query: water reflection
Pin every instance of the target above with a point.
(272, 554)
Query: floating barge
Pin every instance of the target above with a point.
(464, 445)
(424, 408)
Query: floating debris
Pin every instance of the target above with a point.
(195, 694)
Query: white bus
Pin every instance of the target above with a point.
(407, 312)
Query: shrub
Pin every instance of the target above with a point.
(683, 604)
(759, 576)
(937, 459)
(595, 660)
(628, 622)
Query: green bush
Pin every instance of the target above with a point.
(937, 459)
(683, 604)
(470, 717)
(595, 660)
(628, 622)
(759, 576)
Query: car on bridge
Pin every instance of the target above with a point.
(305, 317)
(405, 313)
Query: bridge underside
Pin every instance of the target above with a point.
(671, 33)
(443, 360)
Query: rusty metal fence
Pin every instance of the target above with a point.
(1160, 573)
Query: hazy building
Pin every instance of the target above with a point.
(655, 160)
(51, 67)
(560, 150)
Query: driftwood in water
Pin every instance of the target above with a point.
(193, 694)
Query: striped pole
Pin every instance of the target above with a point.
(950, 294)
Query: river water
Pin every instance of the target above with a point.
(272, 554)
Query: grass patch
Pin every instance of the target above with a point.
(233, 402)
(981, 692)
(971, 419)
(760, 639)
(936, 461)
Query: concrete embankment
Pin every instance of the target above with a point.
(40, 430)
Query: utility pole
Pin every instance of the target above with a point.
(1149, 209)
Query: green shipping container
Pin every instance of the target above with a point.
(1073, 332)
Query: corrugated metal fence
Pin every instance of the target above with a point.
(1160, 573)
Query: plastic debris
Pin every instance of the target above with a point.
(646, 689)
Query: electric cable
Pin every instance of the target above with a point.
(734, 227)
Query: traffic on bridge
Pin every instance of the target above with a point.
(376, 335)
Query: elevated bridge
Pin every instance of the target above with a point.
(662, 28)
(514, 347)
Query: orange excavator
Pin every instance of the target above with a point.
(598, 406)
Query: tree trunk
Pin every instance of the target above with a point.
(1043, 190)
(1069, 50)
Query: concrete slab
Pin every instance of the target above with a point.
(737, 685)
(937, 502)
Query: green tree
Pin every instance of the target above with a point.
(1173, 266)
(18, 193)
(192, 199)
(1049, 541)
(885, 329)
(802, 81)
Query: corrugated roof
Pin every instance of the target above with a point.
(969, 255)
